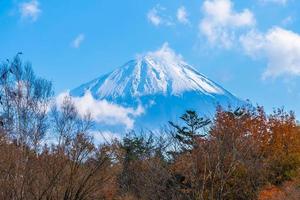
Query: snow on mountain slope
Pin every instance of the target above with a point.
(161, 72)
(163, 84)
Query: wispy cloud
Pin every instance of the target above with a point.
(221, 21)
(78, 40)
(279, 46)
(166, 54)
(103, 111)
(153, 17)
(182, 15)
(281, 2)
(30, 10)
(287, 21)
(157, 17)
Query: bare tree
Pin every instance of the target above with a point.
(24, 101)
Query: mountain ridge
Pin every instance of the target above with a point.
(163, 84)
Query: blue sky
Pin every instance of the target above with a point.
(251, 48)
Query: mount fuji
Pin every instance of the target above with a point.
(153, 89)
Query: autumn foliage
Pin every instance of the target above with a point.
(47, 152)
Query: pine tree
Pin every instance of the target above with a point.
(192, 129)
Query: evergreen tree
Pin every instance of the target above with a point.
(192, 129)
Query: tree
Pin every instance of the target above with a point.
(72, 169)
(24, 101)
(192, 130)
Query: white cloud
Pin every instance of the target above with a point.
(157, 18)
(287, 21)
(30, 10)
(104, 136)
(78, 40)
(103, 111)
(167, 55)
(253, 43)
(282, 2)
(279, 46)
(153, 17)
(182, 15)
(221, 21)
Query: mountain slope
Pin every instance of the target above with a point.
(163, 84)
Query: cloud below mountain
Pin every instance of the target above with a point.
(103, 111)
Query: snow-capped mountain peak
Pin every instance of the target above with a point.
(159, 72)
(161, 84)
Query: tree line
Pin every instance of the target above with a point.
(232, 156)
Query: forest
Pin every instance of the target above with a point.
(242, 153)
